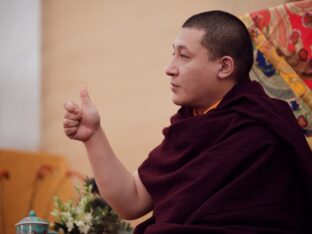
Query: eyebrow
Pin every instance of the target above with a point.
(180, 47)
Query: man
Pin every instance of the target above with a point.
(233, 160)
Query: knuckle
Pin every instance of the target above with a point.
(65, 123)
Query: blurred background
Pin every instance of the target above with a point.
(118, 49)
(49, 49)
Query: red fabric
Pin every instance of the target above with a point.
(289, 29)
(230, 171)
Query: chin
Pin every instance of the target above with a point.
(178, 102)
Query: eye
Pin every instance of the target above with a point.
(183, 56)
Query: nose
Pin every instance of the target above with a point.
(171, 69)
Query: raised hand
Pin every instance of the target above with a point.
(80, 122)
(116, 184)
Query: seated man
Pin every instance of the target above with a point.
(233, 159)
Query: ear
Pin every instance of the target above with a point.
(226, 67)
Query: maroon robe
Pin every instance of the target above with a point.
(244, 167)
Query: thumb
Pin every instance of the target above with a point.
(84, 96)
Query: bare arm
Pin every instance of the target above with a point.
(121, 189)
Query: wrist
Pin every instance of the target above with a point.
(97, 133)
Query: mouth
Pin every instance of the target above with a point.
(174, 85)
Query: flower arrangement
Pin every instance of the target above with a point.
(90, 215)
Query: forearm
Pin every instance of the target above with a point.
(116, 184)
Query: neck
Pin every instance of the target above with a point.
(214, 103)
(204, 110)
(200, 111)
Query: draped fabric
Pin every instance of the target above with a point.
(282, 39)
(244, 167)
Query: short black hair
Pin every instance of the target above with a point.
(225, 35)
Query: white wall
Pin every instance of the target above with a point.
(19, 74)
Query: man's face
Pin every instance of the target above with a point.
(194, 79)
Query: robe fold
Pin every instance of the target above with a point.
(244, 167)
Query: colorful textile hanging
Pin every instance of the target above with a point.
(282, 39)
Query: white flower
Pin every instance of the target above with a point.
(66, 216)
(79, 210)
(83, 227)
(70, 224)
(87, 218)
(79, 217)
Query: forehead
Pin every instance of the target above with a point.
(189, 38)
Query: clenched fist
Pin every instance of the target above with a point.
(80, 122)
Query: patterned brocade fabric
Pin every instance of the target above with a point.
(282, 39)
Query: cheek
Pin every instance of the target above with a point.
(196, 76)
(195, 80)
(192, 89)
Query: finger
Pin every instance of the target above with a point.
(84, 96)
(71, 106)
(72, 116)
(70, 132)
(68, 123)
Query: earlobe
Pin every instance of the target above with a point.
(226, 67)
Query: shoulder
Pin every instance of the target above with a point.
(240, 129)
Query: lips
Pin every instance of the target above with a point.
(174, 85)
